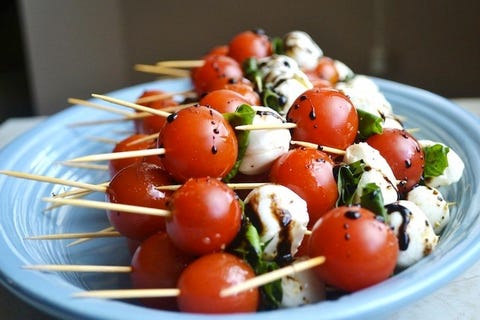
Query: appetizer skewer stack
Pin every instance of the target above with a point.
(335, 182)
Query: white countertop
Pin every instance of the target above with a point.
(456, 300)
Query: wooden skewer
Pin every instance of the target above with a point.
(181, 63)
(162, 96)
(234, 186)
(61, 236)
(103, 140)
(269, 126)
(128, 293)
(162, 70)
(36, 177)
(110, 206)
(243, 286)
(132, 105)
(118, 155)
(316, 146)
(99, 122)
(272, 276)
(82, 240)
(150, 137)
(78, 268)
(98, 106)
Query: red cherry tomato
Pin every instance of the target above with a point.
(217, 71)
(157, 263)
(359, 249)
(223, 100)
(198, 142)
(245, 89)
(205, 216)
(250, 44)
(325, 117)
(131, 144)
(403, 154)
(135, 185)
(201, 282)
(218, 50)
(152, 124)
(309, 173)
(326, 69)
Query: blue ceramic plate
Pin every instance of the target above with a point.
(39, 151)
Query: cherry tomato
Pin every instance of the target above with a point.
(157, 263)
(309, 173)
(403, 154)
(327, 70)
(198, 142)
(219, 50)
(318, 82)
(205, 216)
(245, 89)
(217, 71)
(223, 100)
(135, 185)
(325, 117)
(201, 282)
(359, 249)
(152, 124)
(250, 44)
(131, 144)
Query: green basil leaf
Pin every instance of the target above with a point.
(242, 116)
(271, 99)
(348, 177)
(251, 71)
(368, 124)
(277, 45)
(436, 160)
(372, 200)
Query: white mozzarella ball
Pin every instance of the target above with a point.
(290, 89)
(392, 123)
(302, 288)
(415, 233)
(359, 82)
(371, 157)
(280, 216)
(451, 174)
(387, 188)
(344, 72)
(432, 203)
(264, 146)
(301, 47)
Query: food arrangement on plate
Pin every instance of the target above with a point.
(279, 159)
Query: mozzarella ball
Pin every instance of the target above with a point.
(432, 203)
(344, 72)
(415, 233)
(302, 288)
(301, 47)
(280, 217)
(451, 174)
(371, 157)
(264, 146)
(389, 191)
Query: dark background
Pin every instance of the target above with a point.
(54, 49)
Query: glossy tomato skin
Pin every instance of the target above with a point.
(135, 185)
(205, 216)
(201, 282)
(324, 116)
(157, 263)
(223, 100)
(359, 249)
(152, 124)
(245, 89)
(198, 142)
(309, 173)
(403, 153)
(216, 71)
(130, 144)
(326, 69)
(249, 44)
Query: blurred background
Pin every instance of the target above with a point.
(56, 49)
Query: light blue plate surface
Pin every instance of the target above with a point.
(39, 150)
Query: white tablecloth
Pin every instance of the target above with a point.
(457, 300)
